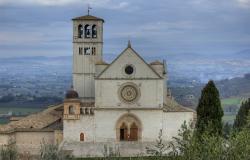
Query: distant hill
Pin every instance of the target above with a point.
(235, 87)
(239, 86)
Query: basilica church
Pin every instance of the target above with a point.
(120, 106)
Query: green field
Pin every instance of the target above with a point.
(19, 110)
(231, 101)
(234, 101)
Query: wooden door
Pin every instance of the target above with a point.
(133, 132)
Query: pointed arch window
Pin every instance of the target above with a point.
(94, 31)
(87, 30)
(80, 31)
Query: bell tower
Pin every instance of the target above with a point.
(87, 50)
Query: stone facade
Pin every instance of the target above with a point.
(122, 105)
(130, 108)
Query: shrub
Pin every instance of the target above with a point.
(8, 153)
(52, 152)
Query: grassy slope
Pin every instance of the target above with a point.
(231, 101)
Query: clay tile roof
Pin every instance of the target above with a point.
(156, 63)
(88, 17)
(36, 121)
(173, 106)
(101, 62)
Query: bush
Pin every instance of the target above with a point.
(8, 153)
(52, 152)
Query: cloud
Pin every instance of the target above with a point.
(36, 34)
(156, 29)
(244, 3)
(108, 4)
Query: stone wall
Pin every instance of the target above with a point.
(151, 121)
(90, 149)
(73, 128)
(172, 122)
(4, 139)
(30, 142)
(151, 93)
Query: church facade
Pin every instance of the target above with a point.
(122, 105)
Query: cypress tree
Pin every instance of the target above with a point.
(241, 117)
(209, 111)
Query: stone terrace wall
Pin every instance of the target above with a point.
(90, 149)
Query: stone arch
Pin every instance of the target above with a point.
(134, 128)
(80, 31)
(87, 31)
(94, 31)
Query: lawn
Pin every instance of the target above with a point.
(231, 101)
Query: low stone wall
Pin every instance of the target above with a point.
(30, 142)
(100, 149)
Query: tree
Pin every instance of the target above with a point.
(239, 142)
(241, 117)
(209, 110)
(227, 130)
(159, 148)
(188, 146)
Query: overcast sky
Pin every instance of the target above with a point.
(155, 27)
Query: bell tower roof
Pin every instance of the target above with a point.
(88, 17)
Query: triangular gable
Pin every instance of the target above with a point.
(129, 56)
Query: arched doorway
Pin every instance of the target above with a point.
(128, 128)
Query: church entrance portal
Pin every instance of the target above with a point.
(128, 128)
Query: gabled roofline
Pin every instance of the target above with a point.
(129, 46)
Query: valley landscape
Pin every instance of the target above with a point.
(30, 84)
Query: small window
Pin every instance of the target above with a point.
(129, 70)
(93, 51)
(71, 110)
(87, 50)
(80, 50)
(82, 137)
